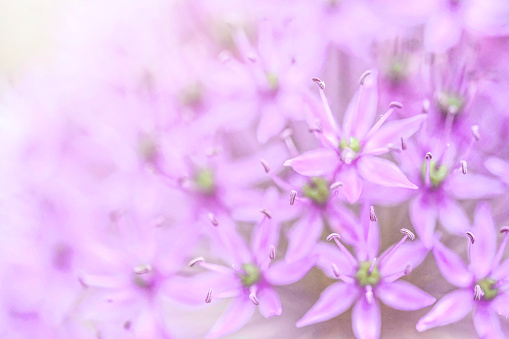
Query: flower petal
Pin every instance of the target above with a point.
(473, 186)
(392, 132)
(403, 296)
(442, 32)
(265, 234)
(452, 217)
(352, 184)
(270, 304)
(334, 300)
(424, 218)
(271, 123)
(382, 172)
(451, 266)
(451, 308)
(303, 237)
(485, 246)
(366, 321)
(330, 254)
(314, 163)
(235, 317)
(362, 108)
(412, 254)
(498, 167)
(285, 273)
(487, 324)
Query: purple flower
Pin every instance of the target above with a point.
(483, 285)
(350, 153)
(365, 279)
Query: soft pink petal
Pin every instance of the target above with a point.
(452, 217)
(498, 167)
(412, 254)
(485, 245)
(451, 266)
(329, 254)
(235, 317)
(487, 323)
(232, 246)
(317, 162)
(361, 111)
(303, 237)
(334, 300)
(501, 304)
(265, 234)
(451, 308)
(271, 123)
(285, 273)
(392, 132)
(403, 296)
(442, 32)
(366, 320)
(424, 218)
(473, 186)
(352, 184)
(382, 172)
(501, 271)
(270, 304)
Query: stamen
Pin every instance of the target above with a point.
(372, 266)
(463, 165)
(364, 76)
(427, 175)
(319, 82)
(342, 247)
(478, 292)
(286, 136)
(213, 219)
(403, 144)
(142, 269)
(272, 252)
(372, 215)
(383, 118)
(267, 213)
(344, 278)
(196, 261)
(265, 165)
(396, 104)
(475, 132)
(501, 249)
(208, 298)
(252, 295)
(335, 270)
(471, 237)
(369, 294)
(293, 194)
(425, 106)
(328, 113)
(390, 252)
(396, 276)
(408, 233)
(336, 185)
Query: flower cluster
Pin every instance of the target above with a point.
(178, 165)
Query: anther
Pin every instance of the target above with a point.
(208, 298)
(142, 269)
(293, 195)
(408, 269)
(272, 252)
(396, 104)
(429, 156)
(213, 219)
(403, 144)
(267, 213)
(425, 106)
(253, 298)
(504, 229)
(336, 185)
(333, 236)
(408, 233)
(372, 215)
(265, 165)
(364, 76)
(319, 82)
(471, 236)
(196, 261)
(463, 165)
(475, 132)
(335, 270)
(478, 292)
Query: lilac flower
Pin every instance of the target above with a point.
(365, 279)
(251, 279)
(483, 285)
(350, 153)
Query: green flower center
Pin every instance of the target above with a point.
(205, 181)
(488, 287)
(450, 103)
(273, 81)
(365, 277)
(437, 173)
(192, 94)
(397, 69)
(354, 144)
(251, 275)
(317, 190)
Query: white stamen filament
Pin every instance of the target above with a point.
(393, 249)
(503, 245)
(396, 276)
(252, 295)
(478, 292)
(286, 136)
(342, 247)
(382, 119)
(344, 278)
(265, 165)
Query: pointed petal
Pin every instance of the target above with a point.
(392, 132)
(285, 273)
(452, 217)
(235, 317)
(330, 254)
(352, 184)
(382, 172)
(403, 296)
(487, 323)
(473, 186)
(412, 254)
(303, 237)
(442, 32)
(451, 308)
(315, 163)
(265, 234)
(424, 218)
(501, 304)
(271, 123)
(485, 246)
(366, 321)
(498, 167)
(361, 111)
(451, 266)
(270, 304)
(501, 271)
(334, 300)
